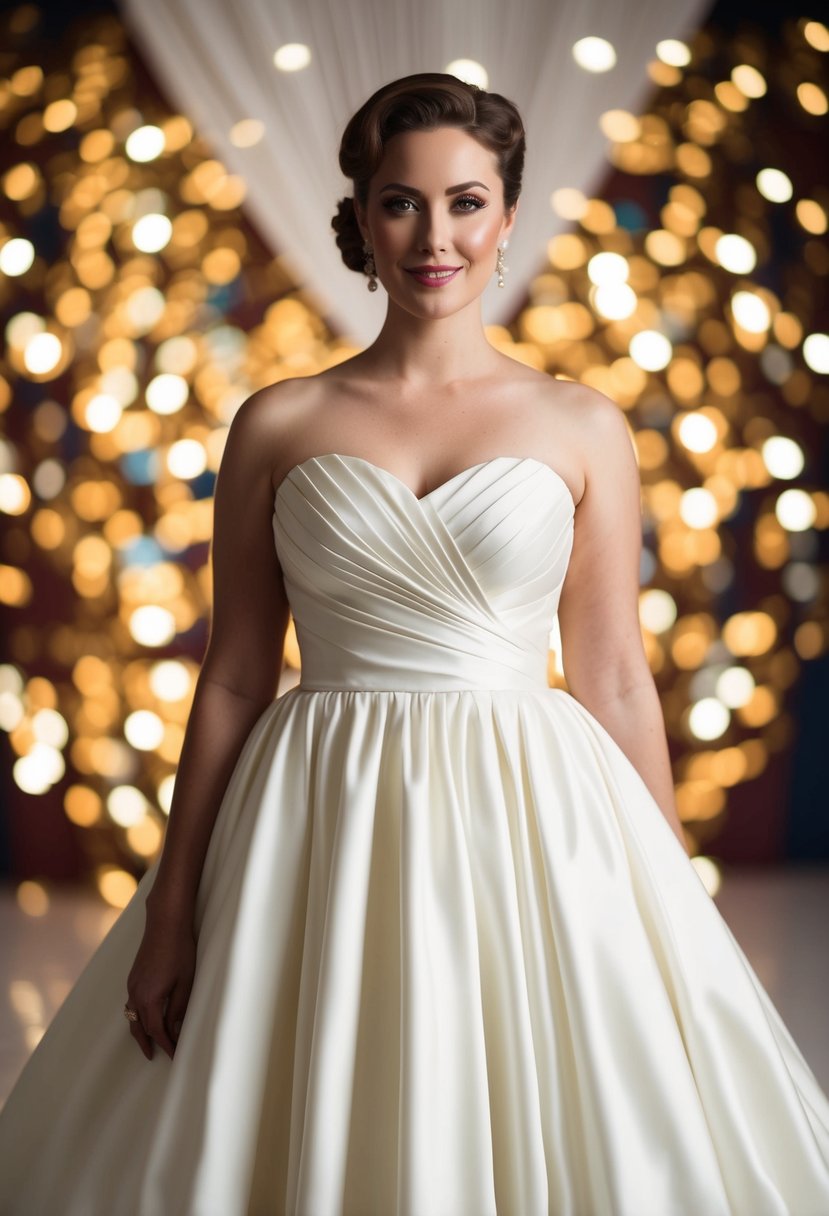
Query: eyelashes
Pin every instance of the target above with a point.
(389, 204)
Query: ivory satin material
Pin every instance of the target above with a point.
(452, 960)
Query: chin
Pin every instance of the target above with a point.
(438, 308)
(461, 292)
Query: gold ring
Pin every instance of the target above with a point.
(130, 1013)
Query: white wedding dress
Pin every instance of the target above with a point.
(452, 960)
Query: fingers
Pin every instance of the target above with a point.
(151, 1025)
(159, 993)
(157, 1029)
(174, 1016)
(141, 1037)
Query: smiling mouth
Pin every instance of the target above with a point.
(434, 276)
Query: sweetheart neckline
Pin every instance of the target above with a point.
(421, 501)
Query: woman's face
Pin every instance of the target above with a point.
(416, 216)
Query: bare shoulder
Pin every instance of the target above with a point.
(581, 403)
(570, 399)
(569, 425)
(265, 426)
(597, 429)
(275, 407)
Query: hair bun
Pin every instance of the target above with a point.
(349, 237)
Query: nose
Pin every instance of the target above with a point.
(432, 235)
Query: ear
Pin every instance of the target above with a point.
(361, 219)
(510, 220)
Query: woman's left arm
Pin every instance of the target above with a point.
(603, 655)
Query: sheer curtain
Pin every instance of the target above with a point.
(214, 59)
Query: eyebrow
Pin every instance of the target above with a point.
(451, 190)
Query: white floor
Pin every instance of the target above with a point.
(779, 916)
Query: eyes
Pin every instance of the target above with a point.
(476, 202)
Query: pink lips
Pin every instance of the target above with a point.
(432, 281)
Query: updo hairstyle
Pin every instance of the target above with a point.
(422, 102)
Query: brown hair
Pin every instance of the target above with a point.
(423, 101)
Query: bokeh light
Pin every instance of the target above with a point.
(144, 143)
(774, 185)
(16, 257)
(469, 70)
(735, 253)
(816, 353)
(594, 54)
(673, 52)
(292, 57)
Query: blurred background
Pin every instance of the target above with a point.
(168, 177)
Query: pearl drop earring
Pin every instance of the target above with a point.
(500, 266)
(369, 268)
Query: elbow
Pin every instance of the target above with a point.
(254, 683)
(611, 685)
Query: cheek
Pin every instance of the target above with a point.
(481, 237)
(388, 238)
(389, 241)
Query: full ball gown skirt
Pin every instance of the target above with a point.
(452, 960)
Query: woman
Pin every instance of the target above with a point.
(424, 936)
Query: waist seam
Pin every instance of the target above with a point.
(415, 691)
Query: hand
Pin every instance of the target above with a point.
(159, 983)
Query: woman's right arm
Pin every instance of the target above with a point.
(240, 671)
(238, 679)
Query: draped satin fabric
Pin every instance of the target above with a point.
(452, 960)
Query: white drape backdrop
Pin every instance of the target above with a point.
(214, 60)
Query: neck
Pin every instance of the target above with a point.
(420, 351)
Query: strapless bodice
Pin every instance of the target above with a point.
(457, 589)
